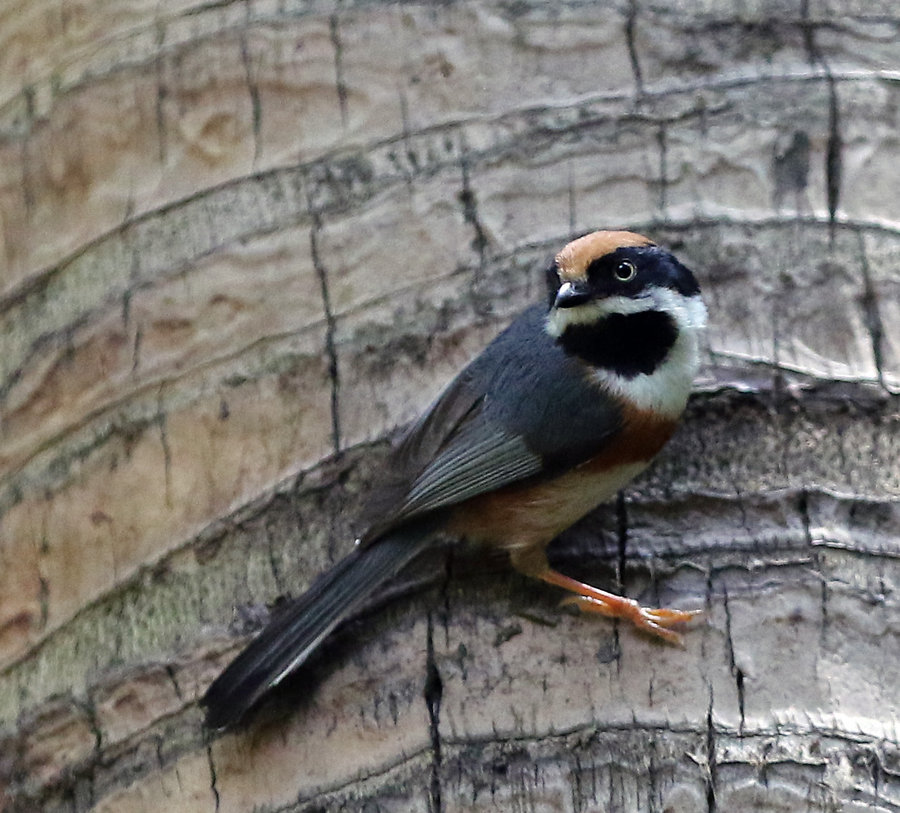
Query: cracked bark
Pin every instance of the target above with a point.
(330, 328)
(242, 245)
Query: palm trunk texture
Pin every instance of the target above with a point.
(242, 243)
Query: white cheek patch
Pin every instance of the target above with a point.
(591, 312)
(666, 389)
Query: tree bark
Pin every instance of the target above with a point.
(242, 243)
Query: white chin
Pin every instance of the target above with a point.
(592, 312)
(688, 312)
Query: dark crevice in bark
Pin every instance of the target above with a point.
(170, 673)
(330, 329)
(136, 349)
(408, 169)
(255, 103)
(161, 93)
(434, 690)
(340, 84)
(43, 601)
(213, 779)
(273, 559)
(712, 768)
(28, 200)
(630, 22)
(166, 448)
(871, 311)
(470, 215)
(803, 508)
(739, 683)
(80, 788)
(736, 671)
(833, 160)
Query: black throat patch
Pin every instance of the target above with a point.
(625, 344)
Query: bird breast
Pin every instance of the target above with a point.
(531, 514)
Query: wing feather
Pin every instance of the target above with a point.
(522, 409)
(480, 458)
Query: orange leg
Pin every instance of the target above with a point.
(591, 600)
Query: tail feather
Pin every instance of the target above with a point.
(299, 628)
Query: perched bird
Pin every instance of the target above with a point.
(556, 415)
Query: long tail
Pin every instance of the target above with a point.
(299, 628)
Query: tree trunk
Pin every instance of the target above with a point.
(242, 243)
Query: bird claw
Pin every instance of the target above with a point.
(655, 621)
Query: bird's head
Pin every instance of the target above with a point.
(617, 272)
(630, 310)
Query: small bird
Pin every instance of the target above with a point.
(558, 413)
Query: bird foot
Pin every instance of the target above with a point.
(655, 621)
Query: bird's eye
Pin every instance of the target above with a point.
(625, 271)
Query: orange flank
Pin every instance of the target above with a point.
(542, 510)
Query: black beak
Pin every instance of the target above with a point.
(571, 294)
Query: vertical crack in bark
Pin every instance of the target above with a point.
(126, 306)
(712, 769)
(833, 161)
(434, 690)
(409, 154)
(576, 792)
(166, 448)
(253, 90)
(662, 141)
(470, 214)
(652, 763)
(136, 349)
(630, 22)
(330, 329)
(340, 85)
(90, 714)
(273, 560)
(27, 180)
(27, 183)
(86, 776)
(777, 375)
(736, 671)
(739, 683)
(871, 311)
(213, 779)
(173, 679)
(803, 508)
(43, 600)
(161, 92)
(133, 276)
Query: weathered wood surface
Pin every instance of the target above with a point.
(239, 238)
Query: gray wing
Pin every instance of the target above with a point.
(522, 409)
(453, 452)
(481, 457)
